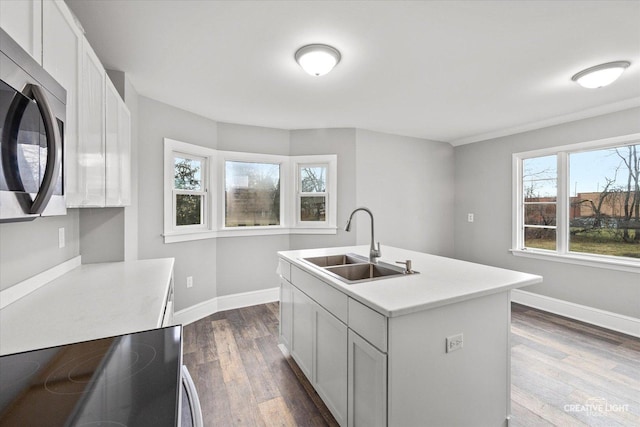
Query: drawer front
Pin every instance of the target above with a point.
(284, 268)
(369, 324)
(331, 299)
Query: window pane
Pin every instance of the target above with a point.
(252, 194)
(540, 178)
(313, 179)
(188, 174)
(188, 209)
(313, 208)
(540, 238)
(540, 214)
(603, 217)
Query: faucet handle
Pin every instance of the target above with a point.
(407, 265)
(378, 250)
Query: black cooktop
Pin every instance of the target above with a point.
(128, 380)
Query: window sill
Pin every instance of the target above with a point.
(187, 236)
(628, 265)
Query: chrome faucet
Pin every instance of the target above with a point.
(374, 253)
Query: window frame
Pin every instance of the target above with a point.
(172, 232)
(331, 163)
(214, 203)
(203, 193)
(562, 253)
(232, 156)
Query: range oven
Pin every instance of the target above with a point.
(32, 115)
(135, 380)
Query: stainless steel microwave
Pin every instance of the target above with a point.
(32, 116)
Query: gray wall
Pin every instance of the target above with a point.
(102, 235)
(29, 248)
(483, 187)
(408, 185)
(197, 258)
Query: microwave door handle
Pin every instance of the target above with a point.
(10, 129)
(54, 149)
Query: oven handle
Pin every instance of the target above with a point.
(54, 148)
(192, 397)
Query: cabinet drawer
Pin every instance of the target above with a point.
(368, 323)
(331, 299)
(284, 268)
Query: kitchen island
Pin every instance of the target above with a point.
(430, 348)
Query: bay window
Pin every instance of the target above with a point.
(211, 193)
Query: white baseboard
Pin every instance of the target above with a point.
(19, 290)
(226, 302)
(606, 319)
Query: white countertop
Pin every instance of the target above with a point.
(91, 301)
(441, 280)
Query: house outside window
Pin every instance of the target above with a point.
(252, 194)
(580, 203)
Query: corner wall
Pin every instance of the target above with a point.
(483, 181)
(408, 185)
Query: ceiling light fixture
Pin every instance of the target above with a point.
(600, 75)
(317, 59)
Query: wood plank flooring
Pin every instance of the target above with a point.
(241, 375)
(564, 373)
(569, 373)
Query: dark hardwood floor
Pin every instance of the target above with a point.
(563, 372)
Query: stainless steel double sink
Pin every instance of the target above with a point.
(352, 268)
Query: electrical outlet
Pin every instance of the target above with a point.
(454, 342)
(189, 281)
(469, 217)
(61, 239)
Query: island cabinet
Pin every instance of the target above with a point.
(427, 349)
(347, 372)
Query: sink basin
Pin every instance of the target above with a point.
(363, 272)
(353, 268)
(332, 260)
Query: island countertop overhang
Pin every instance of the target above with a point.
(441, 281)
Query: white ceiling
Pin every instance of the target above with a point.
(454, 71)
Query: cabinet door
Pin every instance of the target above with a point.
(367, 384)
(22, 20)
(286, 313)
(302, 336)
(330, 362)
(61, 57)
(89, 186)
(117, 149)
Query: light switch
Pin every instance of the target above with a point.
(469, 217)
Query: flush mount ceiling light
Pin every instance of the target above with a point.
(317, 59)
(600, 75)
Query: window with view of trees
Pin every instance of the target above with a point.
(584, 202)
(189, 191)
(252, 194)
(312, 193)
(210, 193)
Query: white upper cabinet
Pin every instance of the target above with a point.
(117, 149)
(61, 57)
(97, 137)
(22, 20)
(89, 188)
